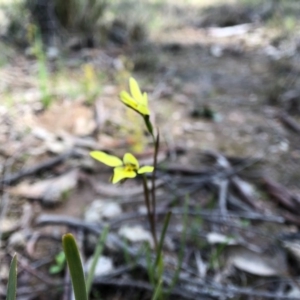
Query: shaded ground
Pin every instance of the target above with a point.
(209, 90)
(236, 86)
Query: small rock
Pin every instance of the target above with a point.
(84, 126)
(92, 216)
(100, 209)
(104, 265)
(216, 51)
(218, 238)
(7, 226)
(17, 240)
(136, 234)
(111, 210)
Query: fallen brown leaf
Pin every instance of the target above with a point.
(48, 191)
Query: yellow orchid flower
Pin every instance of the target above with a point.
(137, 101)
(128, 168)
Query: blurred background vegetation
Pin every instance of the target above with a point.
(96, 21)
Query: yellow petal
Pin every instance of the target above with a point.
(121, 173)
(128, 100)
(106, 159)
(129, 159)
(146, 169)
(135, 90)
(145, 99)
(132, 103)
(142, 109)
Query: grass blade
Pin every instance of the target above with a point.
(12, 280)
(158, 291)
(75, 266)
(162, 238)
(97, 254)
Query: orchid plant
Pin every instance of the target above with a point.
(129, 167)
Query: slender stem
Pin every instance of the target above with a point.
(150, 214)
(153, 190)
(162, 238)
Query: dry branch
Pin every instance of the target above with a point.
(50, 163)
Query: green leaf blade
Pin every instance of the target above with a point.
(12, 280)
(75, 266)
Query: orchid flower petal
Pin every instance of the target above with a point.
(145, 169)
(143, 109)
(136, 101)
(144, 99)
(109, 160)
(122, 173)
(128, 100)
(135, 90)
(129, 159)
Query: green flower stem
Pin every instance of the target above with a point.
(153, 190)
(148, 125)
(151, 216)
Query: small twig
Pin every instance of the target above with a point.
(12, 178)
(112, 239)
(177, 292)
(209, 215)
(230, 291)
(237, 185)
(36, 273)
(289, 122)
(223, 187)
(47, 219)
